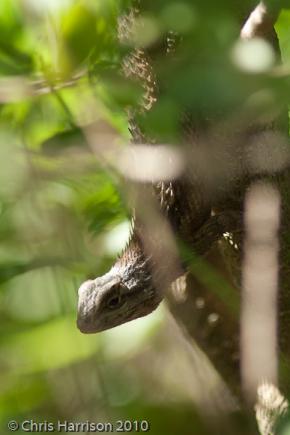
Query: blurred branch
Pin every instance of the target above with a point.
(260, 24)
(260, 289)
(13, 89)
(12, 269)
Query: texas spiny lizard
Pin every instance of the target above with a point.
(198, 215)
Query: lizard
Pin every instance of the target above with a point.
(197, 215)
(207, 220)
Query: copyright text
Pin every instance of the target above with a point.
(87, 426)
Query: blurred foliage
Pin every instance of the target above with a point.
(63, 211)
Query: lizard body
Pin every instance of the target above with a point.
(199, 213)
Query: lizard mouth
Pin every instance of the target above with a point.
(85, 327)
(91, 326)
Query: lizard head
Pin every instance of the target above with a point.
(125, 293)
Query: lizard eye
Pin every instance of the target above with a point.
(114, 302)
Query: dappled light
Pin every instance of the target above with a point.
(144, 160)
